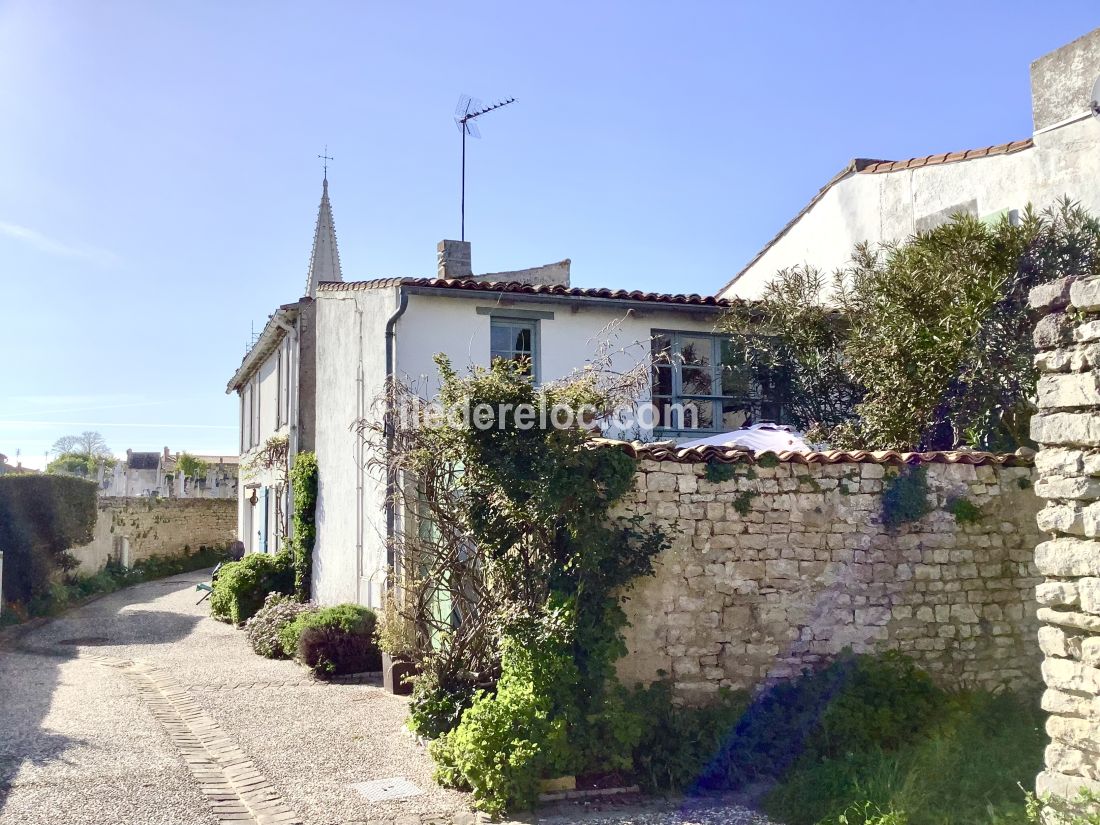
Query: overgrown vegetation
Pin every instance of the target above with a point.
(242, 586)
(41, 518)
(905, 496)
(718, 471)
(964, 510)
(303, 529)
(925, 344)
(511, 579)
(80, 455)
(190, 467)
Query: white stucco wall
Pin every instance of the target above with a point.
(889, 206)
(350, 562)
(350, 551)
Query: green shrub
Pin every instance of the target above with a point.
(965, 511)
(718, 471)
(243, 585)
(507, 741)
(856, 702)
(332, 641)
(437, 708)
(905, 497)
(303, 481)
(264, 628)
(41, 518)
(677, 743)
(964, 767)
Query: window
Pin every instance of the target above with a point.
(700, 382)
(515, 339)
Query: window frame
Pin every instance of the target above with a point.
(676, 394)
(517, 320)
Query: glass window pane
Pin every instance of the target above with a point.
(696, 381)
(663, 407)
(698, 415)
(735, 414)
(661, 380)
(696, 350)
(500, 338)
(523, 339)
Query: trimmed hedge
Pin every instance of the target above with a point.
(242, 586)
(334, 641)
(41, 518)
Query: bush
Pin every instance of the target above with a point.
(855, 703)
(507, 741)
(264, 628)
(965, 767)
(41, 518)
(333, 641)
(242, 586)
(679, 742)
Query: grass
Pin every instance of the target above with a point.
(967, 768)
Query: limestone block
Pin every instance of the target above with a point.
(1054, 641)
(1053, 330)
(1056, 594)
(687, 483)
(1072, 390)
(1061, 428)
(1090, 655)
(1052, 296)
(1084, 294)
(1064, 785)
(1089, 590)
(1089, 331)
(1068, 557)
(1066, 674)
(1061, 518)
(1080, 733)
(1072, 487)
(661, 482)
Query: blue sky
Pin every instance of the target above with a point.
(159, 181)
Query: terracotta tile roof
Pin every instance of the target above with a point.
(877, 167)
(732, 455)
(549, 290)
(872, 167)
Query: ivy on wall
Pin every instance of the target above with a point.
(303, 529)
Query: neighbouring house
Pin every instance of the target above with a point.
(157, 474)
(884, 200)
(17, 467)
(369, 331)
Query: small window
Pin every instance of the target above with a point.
(515, 340)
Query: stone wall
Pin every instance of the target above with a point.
(1068, 430)
(156, 526)
(788, 562)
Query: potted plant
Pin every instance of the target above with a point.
(397, 641)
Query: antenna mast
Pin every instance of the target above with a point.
(468, 111)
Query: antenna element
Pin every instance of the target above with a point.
(467, 112)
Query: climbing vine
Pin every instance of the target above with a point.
(510, 568)
(303, 480)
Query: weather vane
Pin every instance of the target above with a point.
(326, 158)
(467, 112)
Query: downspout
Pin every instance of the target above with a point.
(391, 481)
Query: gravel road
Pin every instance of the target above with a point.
(79, 743)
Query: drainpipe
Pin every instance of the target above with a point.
(391, 482)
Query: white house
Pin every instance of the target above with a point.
(275, 384)
(370, 330)
(882, 200)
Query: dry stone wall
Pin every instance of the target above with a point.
(1068, 429)
(786, 563)
(164, 527)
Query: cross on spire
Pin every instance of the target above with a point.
(326, 158)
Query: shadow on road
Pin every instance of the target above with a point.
(30, 670)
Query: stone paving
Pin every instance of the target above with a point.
(137, 709)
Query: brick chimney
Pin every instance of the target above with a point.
(453, 259)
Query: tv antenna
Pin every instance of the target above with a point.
(467, 112)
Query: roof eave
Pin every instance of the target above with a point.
(271, 335)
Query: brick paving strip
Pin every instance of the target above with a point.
(237, 792)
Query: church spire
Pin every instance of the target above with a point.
(324, 261)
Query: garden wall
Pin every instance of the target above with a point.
(156, 526)
(788, 561)
(1068, 430)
